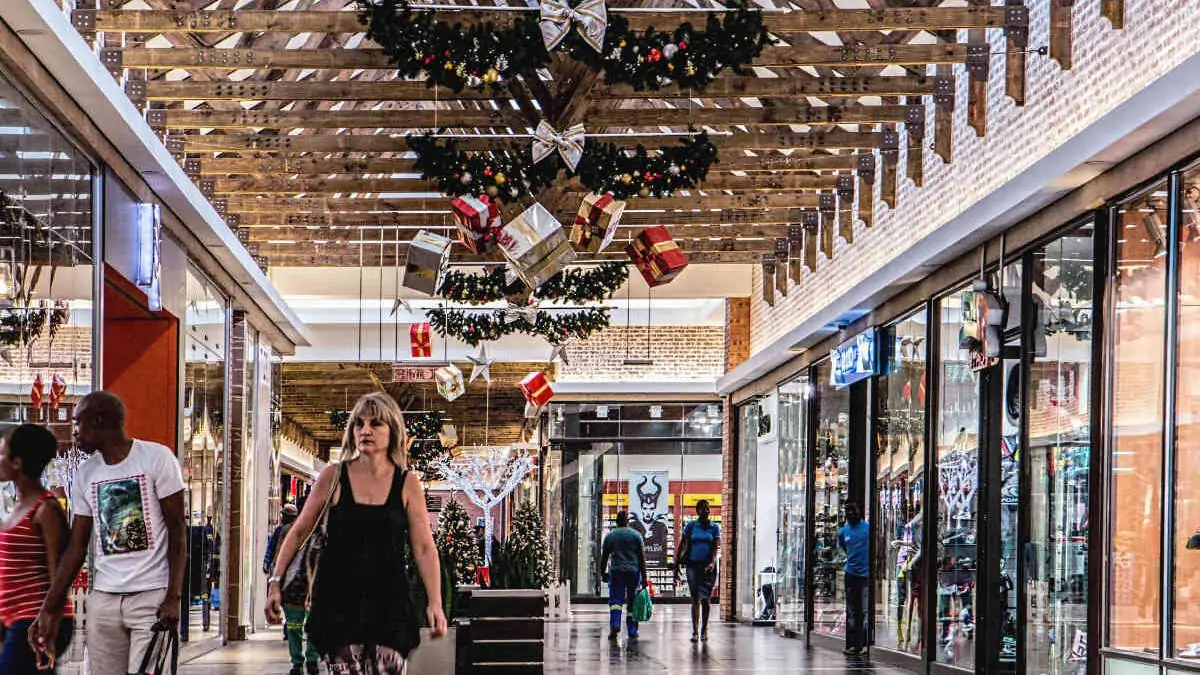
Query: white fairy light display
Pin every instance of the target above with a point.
(488, 474)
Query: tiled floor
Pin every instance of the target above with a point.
(580, 646)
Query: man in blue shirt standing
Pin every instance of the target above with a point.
(855, 539)
(625, 548)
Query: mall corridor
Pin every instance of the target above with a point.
(579, 646)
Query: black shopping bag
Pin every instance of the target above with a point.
(162, 656)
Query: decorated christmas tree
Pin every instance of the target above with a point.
(524, 560)
(426, 448)
(456, 541)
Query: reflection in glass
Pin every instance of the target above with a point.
(793, 474)
(1138, 333)
(203, 447)
(957, 452)
(831, 486)
(898, 511)
(1185, 539)
(1009, 450)
(748, 418)
(1059, 457)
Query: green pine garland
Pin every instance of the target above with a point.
(423, 426)
(478, 55)
(574, 285)
(474, 326)
(606, 167)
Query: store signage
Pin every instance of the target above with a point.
(854, 360)
(982, 322)
(649, 514)
(149, 262)
(415, 372)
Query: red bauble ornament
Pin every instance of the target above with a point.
(683, 45)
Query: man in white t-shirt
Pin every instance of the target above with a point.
(129, 495)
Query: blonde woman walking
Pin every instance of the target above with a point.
(360, 619)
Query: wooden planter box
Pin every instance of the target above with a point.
(507, 633)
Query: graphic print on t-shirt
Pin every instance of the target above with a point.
(121, 516)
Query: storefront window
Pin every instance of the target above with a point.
(1059, 456)
(1186, 537)
(748, 435)
(1138, 335)
(672, 461)
(203, 448)
(957, 453)
(898, 512)
(831, 486)
(790, 589)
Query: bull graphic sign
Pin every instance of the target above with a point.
(649, 508)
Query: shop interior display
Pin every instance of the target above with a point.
(790, 591)
(831, 486)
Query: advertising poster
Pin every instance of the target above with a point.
(649, 507)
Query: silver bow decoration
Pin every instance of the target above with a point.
(514, 312)
(591, 17)
(569, 143)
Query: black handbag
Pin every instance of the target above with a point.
(301, 574)
(162, 654)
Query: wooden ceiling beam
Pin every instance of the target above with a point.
(239, 204)
(264, 21)
(368, 59)
(632, 118)
(392, 237)
(347, 256)
(721, 88)
(442, 222)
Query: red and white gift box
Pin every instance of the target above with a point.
(596, 223)
(656, 255)
(420, 337)
(478, 219)
(537, 389)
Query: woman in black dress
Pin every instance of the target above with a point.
(360, 619)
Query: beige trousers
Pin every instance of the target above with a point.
(119, 629)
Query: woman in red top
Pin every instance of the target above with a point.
(31, 544)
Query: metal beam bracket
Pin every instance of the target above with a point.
(84, 20)
(157, 119)
(866, 167)
(208, 188)
(113, 60)
(221, 206)
(243, 234)
(233, 220)
(826, 202)
(889, 141)
(136, 91)
(795, 238)
(1016, 23)
(943, 92)
(914, 121)
(845, 187)
(811, 220)
(979, 59)
(191, 167)
(781, 248)
(174, 144)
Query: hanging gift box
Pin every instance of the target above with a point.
(450, 382)
(420, 337)
(537, 389)
(58, 391)
(37, 392)
(536, 245)
(428, 254)
(477, 219)
(596, 224)
(656, 255)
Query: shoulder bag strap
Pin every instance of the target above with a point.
(330, 499)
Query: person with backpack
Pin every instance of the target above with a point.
(697, 553)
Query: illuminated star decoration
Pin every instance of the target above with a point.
(401, 302)
(481, 365)
(560, 352)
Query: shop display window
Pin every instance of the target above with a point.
(790, 588)
(1058, 421)
(957, 465)
(1009, 451)
(658, 476)
(898, 511)
(831, 490)
(204, 449)
(747, 473)
(1185, 539)
(1138, 334)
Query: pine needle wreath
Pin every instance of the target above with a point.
(574, 285)
(477, 55)
(474, 326)
(605, 167)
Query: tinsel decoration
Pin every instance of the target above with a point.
(476, 55)
(576, 285)
(512, 175)
(474, 326)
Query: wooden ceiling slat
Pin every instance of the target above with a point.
(721, 88)
(782, 114)
(682, 232)
(348, 256)
(238, 204)
(260, 21)
(441, 221)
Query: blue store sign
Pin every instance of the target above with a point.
(854, 360)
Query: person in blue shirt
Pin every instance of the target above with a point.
(698, 553)
(855, 539)
(624, 547)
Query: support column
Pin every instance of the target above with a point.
(737, 332)
(729, 525)
(232, 560)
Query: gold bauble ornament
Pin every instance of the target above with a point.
(491, 76)
(500, 178)
(492, 190)
(627, 179)
(644, 192)
(449, 66)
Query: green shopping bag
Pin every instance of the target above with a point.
(643, 608)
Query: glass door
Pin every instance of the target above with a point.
(831, 486)
(794, 399)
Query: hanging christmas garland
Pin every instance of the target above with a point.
(22, 326)
(574, 285)
(606, 167)
(473, 326)
(477, 55)
(423, 426)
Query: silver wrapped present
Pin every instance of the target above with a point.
(428, 255)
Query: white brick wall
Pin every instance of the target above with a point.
(680, 354)
(1109, 67)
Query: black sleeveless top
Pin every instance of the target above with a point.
(361, 595)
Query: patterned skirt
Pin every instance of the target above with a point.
(366, 660)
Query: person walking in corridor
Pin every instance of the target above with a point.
(295, 605)
(129, 495)
(624, 548)
(855, 539)
(31, 547)
(697, 552)
(373, 509)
